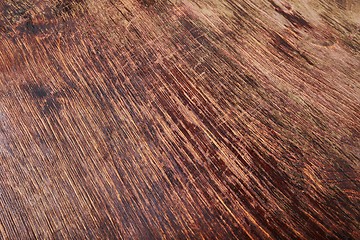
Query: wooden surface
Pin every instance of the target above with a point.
(182, 119)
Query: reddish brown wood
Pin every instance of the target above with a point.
(179, 119)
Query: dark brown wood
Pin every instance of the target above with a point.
(181, 119)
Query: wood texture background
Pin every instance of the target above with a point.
(180, 119)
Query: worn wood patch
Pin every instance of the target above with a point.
(179, 119)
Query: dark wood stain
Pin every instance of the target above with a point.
(294, 18)
(147, 3)
(69, 7)
(51, 105)
(37, 91)
(156, 119)
(287, 49)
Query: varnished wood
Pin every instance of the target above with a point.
(181, 119)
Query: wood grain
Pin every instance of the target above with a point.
(181, 119)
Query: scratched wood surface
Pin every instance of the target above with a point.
(180, 119)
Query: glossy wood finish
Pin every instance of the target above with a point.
(180, 119)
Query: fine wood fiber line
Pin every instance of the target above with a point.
(179, 119)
